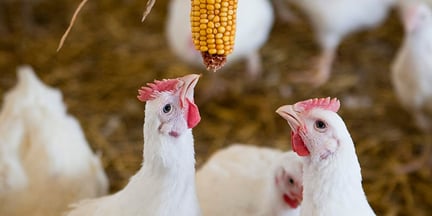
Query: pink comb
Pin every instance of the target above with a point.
(323, 103)
(149, 92)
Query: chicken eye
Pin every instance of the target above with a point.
(167, 108)
(319, 124)
(291, 181)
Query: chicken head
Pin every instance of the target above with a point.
(173, 100)
(313, 123)
(414, 16)
(288, 179)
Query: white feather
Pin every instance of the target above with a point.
(334, 19)
(46, 162)
(239, 180)
(334, 186)
(332, 178)
(165, 184)
(412, 68)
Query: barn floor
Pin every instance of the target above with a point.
(109, 54)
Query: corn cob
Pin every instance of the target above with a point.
(213, 25)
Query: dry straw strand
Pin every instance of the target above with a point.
(149, 6)
(81, 5)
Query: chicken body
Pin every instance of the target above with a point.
(332, 20)
(412, 68)
(165, 184)
(254, 23)
(45, 160)
(331, 170)
(249, 180)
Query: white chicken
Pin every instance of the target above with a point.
(332, 179)
(45, 160)
(254, 23)
(249, 180)
(165, 184)
(332, 20)
(412, 68)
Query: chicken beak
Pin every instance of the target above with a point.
(288, 113)
(187, 90)
(299, 195)
(187, 103)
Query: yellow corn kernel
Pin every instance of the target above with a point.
(213, 24)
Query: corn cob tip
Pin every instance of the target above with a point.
(213, 62)
(213, 25)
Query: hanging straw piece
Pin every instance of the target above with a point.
(71, 24)
(149, 7)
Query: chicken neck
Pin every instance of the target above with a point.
(333, 186)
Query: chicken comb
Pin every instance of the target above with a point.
(323, 103)
(149, 92)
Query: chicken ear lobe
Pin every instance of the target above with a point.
(328, 149)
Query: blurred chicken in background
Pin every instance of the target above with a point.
(254, 23)
(412, 67)
(412, 72)
(45, 160)
(332, 20)
(248, 180)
